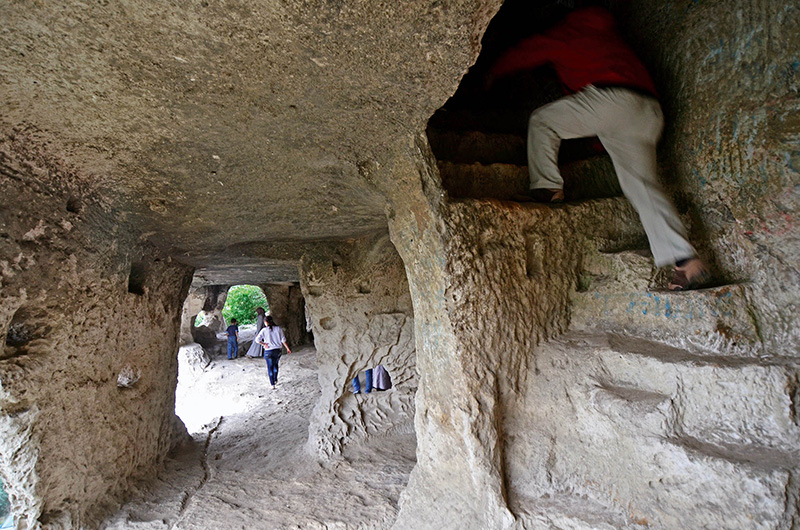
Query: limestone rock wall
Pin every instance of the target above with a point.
(361, 314)
(191, 308)
(214, 303)
(595, 431)
(634, 434)
(730, 81)
(489, 281)
(91, 321)
(288, 308)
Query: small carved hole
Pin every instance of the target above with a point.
(136, 278)
(74, 205)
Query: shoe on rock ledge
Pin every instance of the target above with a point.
(543, 195)
(689, 274)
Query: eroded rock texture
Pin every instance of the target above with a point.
(191, 308)
(90, 320)
(288, 308)
(634, 434)
(361, 317)
(656, 438)
(214, 303)
(192, 124)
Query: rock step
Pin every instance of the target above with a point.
(477, 146)
(752, 456)
(494, 120)
(630, 269)
(716, 319)
(585, 179)
(468, 146)
(734, 409)
(571, 511)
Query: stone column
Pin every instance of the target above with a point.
(489, 281)
(214, 303)
(360, 310)
(287, 307)
(191, 308)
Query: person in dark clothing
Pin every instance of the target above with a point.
(612, 97)
(233, 339)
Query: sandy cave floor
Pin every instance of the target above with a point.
(247, 468)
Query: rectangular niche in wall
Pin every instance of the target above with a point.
(137, 277)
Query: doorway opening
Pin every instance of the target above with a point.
(479, 135)
(205, 359)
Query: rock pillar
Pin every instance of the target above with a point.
(360, 309)
(488, 280)
(88, 368)
(191, 308)
(287, 307)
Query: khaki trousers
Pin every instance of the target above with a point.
(629, 126)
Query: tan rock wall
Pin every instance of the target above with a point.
(489, 281)
(191, 308)
(517, 426)
(729, 77)
(288, 308)
(91, 323)
(361, 314)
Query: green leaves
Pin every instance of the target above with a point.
(242, 302)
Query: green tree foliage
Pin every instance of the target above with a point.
(242, 302)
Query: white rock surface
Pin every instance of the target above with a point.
(247, 466)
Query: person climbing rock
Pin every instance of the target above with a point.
(233, 339)
(272, 338)
(612, 97)
(255, 349)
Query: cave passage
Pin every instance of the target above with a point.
(249, 442)
(203, 392)
(542, 374)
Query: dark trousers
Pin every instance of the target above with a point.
(272, 357)
(233, 348)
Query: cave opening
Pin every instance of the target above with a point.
(479, 135)
(204, 392)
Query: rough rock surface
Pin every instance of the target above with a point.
(191, 308)
(91, 322)
(287, 307)
(214, 303)
(223, 125)
(129, 124)
(658, 438)
(194, 357)
(483, 275)
(361, 317)
(247, 465)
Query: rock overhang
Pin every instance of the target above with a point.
(213, 125)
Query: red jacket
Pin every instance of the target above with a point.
(585, 49)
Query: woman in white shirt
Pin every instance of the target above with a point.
(272, 338)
